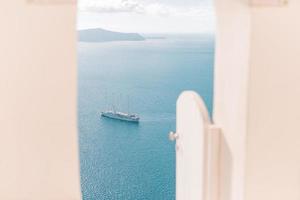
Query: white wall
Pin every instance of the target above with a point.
(230, 92)
(257, 96)
(38, 146)
(273, 139)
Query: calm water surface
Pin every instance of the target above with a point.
(124, 161)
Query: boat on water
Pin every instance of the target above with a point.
(121, 116)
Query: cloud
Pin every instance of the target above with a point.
(111, 6)
(162, 10)
(137, 7)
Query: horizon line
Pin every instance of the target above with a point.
(142, 32)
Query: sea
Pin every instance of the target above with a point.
(128, 161)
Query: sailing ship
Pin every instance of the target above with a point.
(113, 114)
(121, 116)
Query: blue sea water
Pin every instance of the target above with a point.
(126, 161)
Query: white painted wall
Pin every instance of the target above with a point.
(197, 150)
(257, 97)
(273, 139)
(38, 146)
(230, 92)
(192, 125)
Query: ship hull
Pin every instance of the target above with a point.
(111, 116)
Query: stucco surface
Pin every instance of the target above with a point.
(38, 146)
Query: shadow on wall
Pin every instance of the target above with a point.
(226, 170)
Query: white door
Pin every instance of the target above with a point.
(196, 160)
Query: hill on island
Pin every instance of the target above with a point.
(102, 35)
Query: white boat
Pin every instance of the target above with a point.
(121, 116)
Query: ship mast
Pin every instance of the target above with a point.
(128, 110)
(113, 103)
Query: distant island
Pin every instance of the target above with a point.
(102, 35)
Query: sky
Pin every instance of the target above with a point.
(147, 16)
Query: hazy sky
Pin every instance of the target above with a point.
(147, 16)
